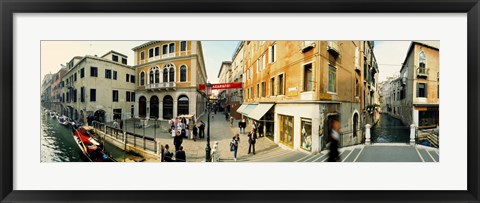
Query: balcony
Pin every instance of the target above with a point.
(307, 46)
(161, 86)
(422, 72)
(333, 48)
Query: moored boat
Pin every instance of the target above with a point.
(90, 148)
(63, 120)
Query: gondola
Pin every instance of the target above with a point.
(63, 120)
(90, 148)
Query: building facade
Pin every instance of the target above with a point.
(101, 87)
(296, 88)
(45, 93)
(56, 90)
(169, 73)
(224, 76)
(418, 93)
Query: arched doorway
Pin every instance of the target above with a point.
(142, 106)
(183, 105)
(154, 107)
(355, 124)
(99, 116)
(167, 107)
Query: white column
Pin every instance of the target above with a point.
(412, 134)
(160, 110)
(367, 134)
(175, 107)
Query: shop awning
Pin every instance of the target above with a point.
(241, 108)
(248, 110)
(260, 111)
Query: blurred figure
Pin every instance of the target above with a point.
(252, 139)
(231, 121)
(334, 140)
(201, 129)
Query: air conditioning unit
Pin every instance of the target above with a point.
(307, 46)
(333, 48)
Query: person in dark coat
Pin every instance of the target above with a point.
(252, 139)
(167, 155)
(334, 137)
(180, 155)
(177, 140)
(194, 131)
(202, 129)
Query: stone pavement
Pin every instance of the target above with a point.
(220, 131)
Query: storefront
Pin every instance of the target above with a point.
(262, 114)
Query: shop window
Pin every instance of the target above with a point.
(306, 134)
(286, 130)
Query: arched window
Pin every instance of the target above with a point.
(157, 76)
(183, 73)
(171, 76)
(183, 105)
(422, 61)
(167, 107)
(151, 78)
(142, 78)
(154, 107)
(165, 75)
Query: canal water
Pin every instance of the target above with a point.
(390, 130)
(58, 145)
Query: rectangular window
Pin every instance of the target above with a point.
(115, 75)
(258, 90)
(82, 72)
(264, 92)
(171, 48)
(75, 95)
(272, 87)
(114, 58)
(142, 55)
(132, 78)
(165, 49)
(128, 96)
(132, 96)
(115, 95)
(157, 51)
(124, 61)
(281, 88)
(272, 52)
(82, 94)
(306, 134)
(307, 77)
(93, 95)
(108, 73)
(150, 53)
(127, 78)
(75, 77)
(421, 90)
(93, 72)
(183, 46)
(332, 79)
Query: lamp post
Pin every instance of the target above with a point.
(208, 92)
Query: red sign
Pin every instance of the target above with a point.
(219, 86)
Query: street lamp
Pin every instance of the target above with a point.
(208, 92)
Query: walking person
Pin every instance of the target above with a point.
(260, 129)
(252, 139)
(234, 145)
(254, 127)
(194, 132)
(333, 154)
(243, 125)
(177, 140)
(231, 121)
(202, 130)
(180, 155)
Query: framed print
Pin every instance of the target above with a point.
(201, 101)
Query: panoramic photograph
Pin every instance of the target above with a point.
(240, 101)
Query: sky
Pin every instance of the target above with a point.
(55, 53)
(389, 54)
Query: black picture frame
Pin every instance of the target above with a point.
(10, 7)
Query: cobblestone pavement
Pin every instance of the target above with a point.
(268, 151)
(220, 131)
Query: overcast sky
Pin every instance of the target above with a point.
(389, 54)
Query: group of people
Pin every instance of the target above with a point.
(179, 155)
(187, 128)
(252, 137)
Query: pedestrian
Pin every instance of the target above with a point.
(254, 127)
(252, 139)
(260, 129)
(167, 155)
(190, 129)
(234, 145)
(202, 129)
(333, 154)
(173, 131)
(121, 124)
(231, 121)
(243, 126)
(194, 131)
(180, 155)
(177, 140)
(226, 115)
(215, 110)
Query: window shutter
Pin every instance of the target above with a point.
(270, 54)
(417, 90)
(274, 53)
(426, 93)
